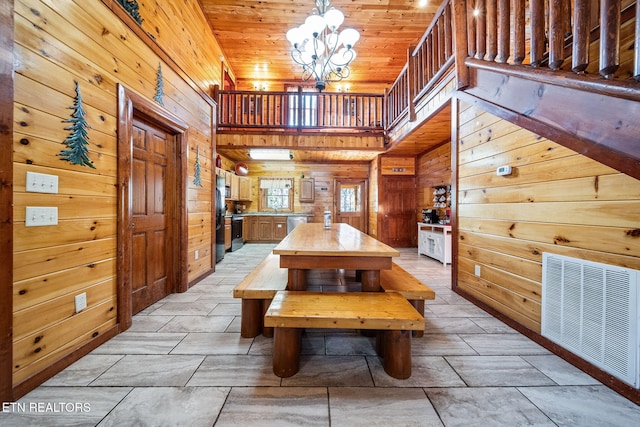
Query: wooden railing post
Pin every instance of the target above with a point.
(460, 41)
(492, 29)
(581, 31)
(299, 109)
(411, 74)
(538, 44)
(636, 57)
(519, 51)
(609, 37)
(480, 16)
(556, 33)
(504, 30)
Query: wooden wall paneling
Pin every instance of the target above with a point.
(55, 44)
(434, 168)
(96, 320)
(37, 290)
(374, 173)
(556, 201)
(6, 197)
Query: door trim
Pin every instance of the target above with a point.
(337, 182)
(131, 104)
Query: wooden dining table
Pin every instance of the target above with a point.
(311, 246)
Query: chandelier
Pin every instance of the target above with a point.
(323, 52)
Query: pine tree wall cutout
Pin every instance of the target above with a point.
(132, 8)
(159, 86)
(196, 175)
(77, 152)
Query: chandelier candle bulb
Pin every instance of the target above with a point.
(323, 53)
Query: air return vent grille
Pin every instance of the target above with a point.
(592, 309)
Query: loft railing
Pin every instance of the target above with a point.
(587, 37)
(300, 111)
(427, 63)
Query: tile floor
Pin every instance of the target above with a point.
(183, 362)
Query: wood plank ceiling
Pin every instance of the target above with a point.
(252, 34)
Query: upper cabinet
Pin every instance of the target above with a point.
(244, 192)
(307, 189)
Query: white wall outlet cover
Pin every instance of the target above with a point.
(477, 270)
(81, 302)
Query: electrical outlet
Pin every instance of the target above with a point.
(477, 270)
(42, 183)
(39, 215)
(196, 255)
(81, 302)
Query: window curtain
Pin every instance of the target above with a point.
(275, 183)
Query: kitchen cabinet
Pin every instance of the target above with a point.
(234, 186)
(227, 233)
(434, 241)
(265, 228)
(244, 191)
(279, 227)
(307, 187)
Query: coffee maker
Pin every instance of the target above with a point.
(430, 216)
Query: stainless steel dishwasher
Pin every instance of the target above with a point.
(292, 221)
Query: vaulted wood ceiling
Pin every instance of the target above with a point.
(252, 36)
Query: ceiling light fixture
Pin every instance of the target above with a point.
(270, 154)
(324, 54)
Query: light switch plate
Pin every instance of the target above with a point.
(42, 183)
(477, 270)
(40, 215)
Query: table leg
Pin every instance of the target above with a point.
(297, 280)
(370, 280)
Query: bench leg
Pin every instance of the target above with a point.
(286, 351)
(396, 349)
(419, 306)
(266, 331)
(251, 320)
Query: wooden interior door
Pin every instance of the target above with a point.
(351, 204)
(150, 190)
(397, 227)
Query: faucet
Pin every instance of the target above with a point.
(275, 211)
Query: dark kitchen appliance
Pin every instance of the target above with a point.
(236, 233)
(220, 210)
(430, 216)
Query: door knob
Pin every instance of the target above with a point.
(132, 225)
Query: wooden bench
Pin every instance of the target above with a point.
(401, 281)
(256, 291)
(390, 314)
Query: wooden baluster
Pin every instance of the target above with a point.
(581, 18)
(519, 50)
(504, 30)
(480, 16)
(448, 37)
(492, 30)
(471, 31)
(411, 64)
(636, 58)
(609, 37)
(538, 42)
(556, 33)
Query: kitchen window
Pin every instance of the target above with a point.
(276, 194)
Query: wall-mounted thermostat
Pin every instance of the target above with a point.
(503, 170)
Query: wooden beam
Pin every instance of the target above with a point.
(6, 199)
(589, 122)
